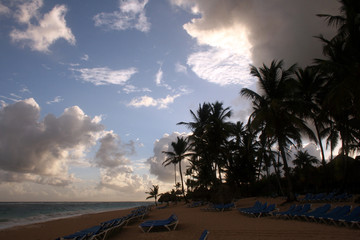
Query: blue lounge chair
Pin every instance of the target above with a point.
(266, 211)
(335, 214)
(318, 197)
(219, 207)
(258, 209)
(307, 197)
(350, 220)
(195, 204)
(316, 213)
(169, 223)
(83, 234)
(295, 214)
(256, 205)
(204, 235)
(224, 207)
(291, 208)
(285, 213)
(343, 197)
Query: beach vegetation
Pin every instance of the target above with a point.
(181, 151)
(319, 103)
(153, 193)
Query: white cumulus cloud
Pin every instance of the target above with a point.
(165, 174)
(39, 151)
(131, 14)
(49, 28)
(221, 66)
(146, 101)
(105, 76)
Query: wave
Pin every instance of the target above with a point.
(23, 213)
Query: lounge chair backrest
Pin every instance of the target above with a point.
(204, 235)
(173, 217)
(355, 212)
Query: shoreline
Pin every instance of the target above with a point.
(61, 226)
(42, 217)
(192, 221)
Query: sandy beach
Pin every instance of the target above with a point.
(192, 221)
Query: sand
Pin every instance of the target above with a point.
(192, 221)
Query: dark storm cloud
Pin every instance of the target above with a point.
(277, 29)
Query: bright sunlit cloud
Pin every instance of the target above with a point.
(51, 26)
(105, 76)
(146, 101)
(221, 66)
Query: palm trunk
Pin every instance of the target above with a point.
(182, 183)
(320, 143)
(277, 172)
(290, 191)
(175, 173)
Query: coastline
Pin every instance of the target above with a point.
(192, 221)
(14, 214)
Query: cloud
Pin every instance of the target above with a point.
(180, 68)
(51, 26)
(10, 98)
(131, 15)
(221, 66)
(85, 57)
(268, 30)
(57, 99)
(25, 90)
(165, 174)
(4, 10)
(123, 180)
(112, 153)
(39, 154)
(159, 79)
(39, 151)
(146, 101)
(131, 89)
(116, 171)
(105, 76)
(311, 148)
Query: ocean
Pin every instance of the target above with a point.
(22, 213)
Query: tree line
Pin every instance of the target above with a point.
(320, 102)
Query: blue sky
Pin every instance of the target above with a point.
(91, 91)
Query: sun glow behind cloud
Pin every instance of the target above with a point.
(225, 51)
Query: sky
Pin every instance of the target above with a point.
(91, 91)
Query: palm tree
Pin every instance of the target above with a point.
(201, 161)
(241, 151)
(154, 193)
(210, 131)
(341, 67)
(275, 111)
(309, 90)
(303, 160)
(180, 152)
(218, 131)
